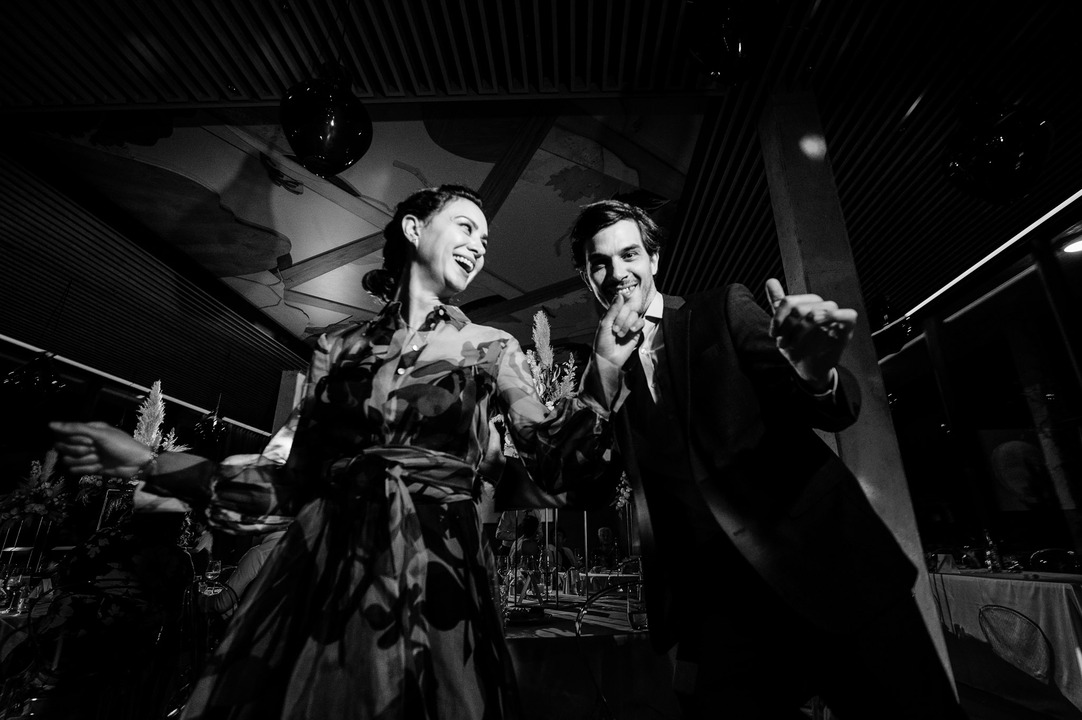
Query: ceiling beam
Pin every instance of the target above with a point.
(313, 267)
(527, 300)
(509, 168)
(293, 296)
(655, 174)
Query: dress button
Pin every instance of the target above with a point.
(415, 348)
(401, 371)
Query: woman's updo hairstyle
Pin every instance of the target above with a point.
(422, 204)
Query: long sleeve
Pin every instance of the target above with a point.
(779, 385)
(564, 448)
(244, 493)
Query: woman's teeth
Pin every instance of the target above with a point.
(466, 263)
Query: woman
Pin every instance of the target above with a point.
(378, 600)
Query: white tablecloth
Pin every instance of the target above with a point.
(1053, 602)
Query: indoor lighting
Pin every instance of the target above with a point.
(1075, 246)
(988, 258)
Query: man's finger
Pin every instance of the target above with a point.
(845, 316)
(613, 310)
(774, 292)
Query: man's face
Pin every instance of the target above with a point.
(617, 262)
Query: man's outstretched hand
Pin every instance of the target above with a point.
(810, 332)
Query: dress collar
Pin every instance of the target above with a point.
(390, 317)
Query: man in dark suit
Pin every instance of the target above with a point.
(764, 563)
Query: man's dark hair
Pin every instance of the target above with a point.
(596, 217)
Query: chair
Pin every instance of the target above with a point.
(1018, 640)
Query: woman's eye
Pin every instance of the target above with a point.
(467, 227)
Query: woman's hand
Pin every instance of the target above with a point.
(96, 448)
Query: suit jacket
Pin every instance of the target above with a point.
(779, 494)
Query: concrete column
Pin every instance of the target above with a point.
(817, 258)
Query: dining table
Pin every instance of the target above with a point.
(1017, 636)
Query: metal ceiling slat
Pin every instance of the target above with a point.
(302, 53)
(456, 56)
(588, 74)
(640, 56)
(50, 219)
(555, 50)
(220, 28)
(84, 67)
(220, 65)
(511, 84)
(126, 66)
(200, 76)
(165, 78)
(18, 70)
(263, 45)
(520, 35)
(679, 33)
(486, 38)
(449, 86)
(425, 84)
(539, 51)
(471, 46)
(47, 71)
(573, 83)
(395, 88)
(603, 80)
(659, 36)
(621, 59)
(318, 20)
(746, 102)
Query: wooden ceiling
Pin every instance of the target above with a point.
(890, 80)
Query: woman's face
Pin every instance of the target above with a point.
(450, 247)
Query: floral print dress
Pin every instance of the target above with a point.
(378, 601)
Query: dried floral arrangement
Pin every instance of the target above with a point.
(553, 383)
(42, 492)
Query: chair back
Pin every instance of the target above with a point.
(1018, 640)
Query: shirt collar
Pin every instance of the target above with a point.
(655, 308)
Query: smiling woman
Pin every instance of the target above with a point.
(377, 600)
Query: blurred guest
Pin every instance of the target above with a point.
(605, 554)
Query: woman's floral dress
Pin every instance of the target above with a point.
(378, 601)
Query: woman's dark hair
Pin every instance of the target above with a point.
(422, 204)
(596, 217)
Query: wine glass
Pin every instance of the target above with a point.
(214, 569)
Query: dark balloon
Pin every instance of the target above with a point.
(998, 151)
(327, 127)
(727, 38)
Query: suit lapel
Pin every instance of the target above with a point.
(674, 326)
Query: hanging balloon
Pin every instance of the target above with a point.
(727, 38)
(326, 126)
(998, 151)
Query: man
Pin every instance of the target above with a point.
(763, 560)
